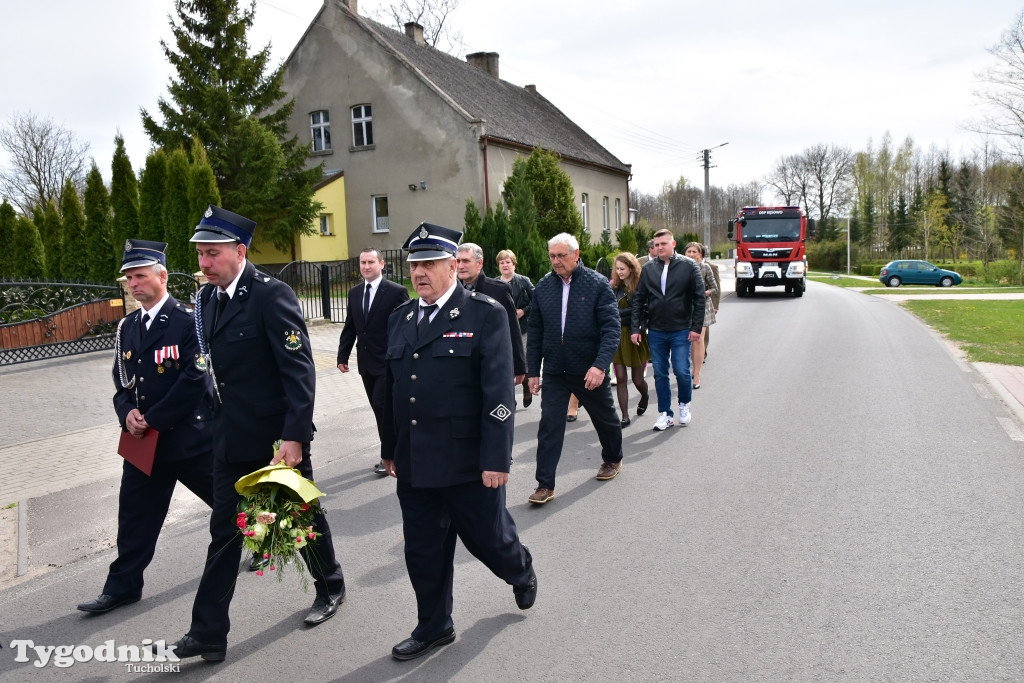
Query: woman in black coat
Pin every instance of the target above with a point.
(522, 297)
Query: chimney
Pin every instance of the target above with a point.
(415, 31)
(487, 61)
(352, 5)
(532, 89)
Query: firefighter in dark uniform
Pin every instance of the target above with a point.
(158, 388)
(262, 365)
(450, 401)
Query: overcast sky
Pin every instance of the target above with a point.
(654, 81)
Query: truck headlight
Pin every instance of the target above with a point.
(744, 269)
(796, 269)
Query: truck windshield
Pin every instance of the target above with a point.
(771, 230)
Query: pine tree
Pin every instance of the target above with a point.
(53, 240)
(151, 196)
(27, 251)
(524, 239)
(553, 195)
(177, 228)
(202, 191)
(7, 220)
(233, 102)
(103, 257)
(124, 196)
(74, 266)
(471, 223)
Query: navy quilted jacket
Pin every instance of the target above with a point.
(592, 329)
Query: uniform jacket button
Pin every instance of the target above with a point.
(415, 356)
(413, 378)
(412, 399)
(413, 423)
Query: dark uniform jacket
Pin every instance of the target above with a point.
(174, 396)
(263, 366)
(372, 330)
(592, 331)
(502, 293)
(681, 307)
(449, 394)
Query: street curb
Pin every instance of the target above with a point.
(1008, 398)
(22, 567)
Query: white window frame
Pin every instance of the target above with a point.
(585, 210)
(381, 224)
(362, 121)
(320, 122)
(604, 213)
(325, 224)
(618, 214)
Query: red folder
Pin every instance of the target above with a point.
(139, 452)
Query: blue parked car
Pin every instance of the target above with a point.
(896, 273)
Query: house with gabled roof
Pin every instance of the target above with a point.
(417, 132)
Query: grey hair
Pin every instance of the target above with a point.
(566, 239)
(478, 253)
(159, 268)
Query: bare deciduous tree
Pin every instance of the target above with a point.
(1003, 87)
(790, 180)
(43, 157)
(432, 15)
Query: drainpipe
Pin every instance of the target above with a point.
(487, 184)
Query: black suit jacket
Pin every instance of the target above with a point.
(371, 331)
(174, 396)
(450, 399)
(502, 293)
(263, 366)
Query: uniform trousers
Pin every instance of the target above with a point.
(210, 622)
(141, 509)
(555, 392)
(374, 386)
(432, 518)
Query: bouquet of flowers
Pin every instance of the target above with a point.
(275, 515)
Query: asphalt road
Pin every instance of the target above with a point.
(844, 506)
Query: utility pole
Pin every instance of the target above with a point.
(706, 156)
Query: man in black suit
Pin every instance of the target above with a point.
(159, 388)
(366, 320)
(262, 364)
(469, 264)
(449, 398)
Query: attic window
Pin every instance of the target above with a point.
(362, 126)
(320, 127)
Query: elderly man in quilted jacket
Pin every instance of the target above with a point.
(573, 334)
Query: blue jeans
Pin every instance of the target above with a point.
(678, 345)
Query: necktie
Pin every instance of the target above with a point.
(222, 301)
(421, 327)
(143, 326)
(366, 299)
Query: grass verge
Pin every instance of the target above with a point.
(987, 331)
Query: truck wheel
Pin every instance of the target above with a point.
(798, 290)
(894, 281)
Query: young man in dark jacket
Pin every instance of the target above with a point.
(574, 330)
(671, 295)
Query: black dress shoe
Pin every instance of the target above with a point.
(324, 607)
(257, 562)
(410, 648)
(527, 400)
(641, 407)
(190, 647)
(379, 469)
(105, 603)
(526, 594)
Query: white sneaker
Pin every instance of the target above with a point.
(684, 414)
(663, 422)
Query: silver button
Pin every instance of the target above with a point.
(451, 350)
(413, 378)
(415, 356)
(413, 423)
(142, 379)
(142, 398)
(412, 399)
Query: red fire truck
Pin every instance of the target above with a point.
(770, 248)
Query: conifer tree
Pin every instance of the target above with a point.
(553, 195)
(53, 240)
(471, 223)
(27, 252)
(102, 255)
(7, 220)
(233, 102)
(124, 196)
(202, 191)
(151, 196)
(524, 239)
(74, 265)
(177, 228)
